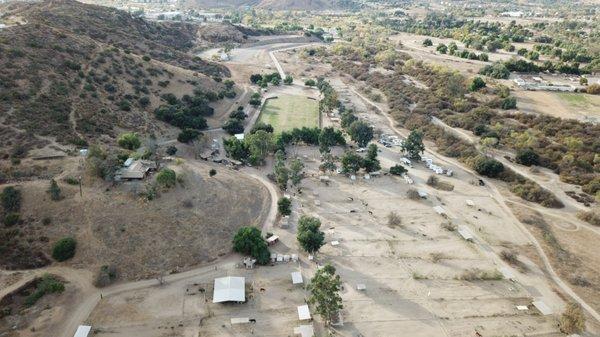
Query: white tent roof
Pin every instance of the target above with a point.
(304, 331)
(240, 320)
(465, 232)
(542, 307)
(439, 210)
(229, 289)
(82, 331)
(303, 312)
(297, 277)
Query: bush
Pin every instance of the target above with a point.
(64, 249)
(11, 199)
(284, 205)
(394, 219)
(249, 241)
(171, 150)
(397, 170)
(187, 135)
(412, 194)
(11, 219)
(166, 178)
(212, 172)
(477, 84)
(477, 274)
(593, 89)
(106, 275)
(48, 284)
(54, 191)
(591, 217)
(488, 167)
(527, 157)
(310, 83)
(509, 103)
(572, 320)
(129, 141)
(71, 181)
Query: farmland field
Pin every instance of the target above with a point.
(286, 112)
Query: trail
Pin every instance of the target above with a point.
(501, 201)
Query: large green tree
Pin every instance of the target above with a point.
(309, 236)
(371, 163)
(351, 162)
(259, 145)
(325, 293)
(360, 132)
(249, 241)
(413, 145)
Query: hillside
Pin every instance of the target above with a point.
(74, 72)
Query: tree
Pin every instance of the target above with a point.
(64, 249)
(129, 141)
(527, 157)
(288, 80)
(259, 145)
(351, 162)
(11, 199)
(296, 168)
(233, 126)
(280, 171)
(255, 99)
(371, 163)
(397, 170)
(309, 236)
(360, 132)
(572, 320)
(328, 163)
(262, 126)
(284, 206)
(583, 81)
(509, 103)
(166, 177)
(54, 191)
(187, 135)
(249, 241)
(324, 292)
(238, 114)
(427, 43)
(330, 137)
(310, 83)
(413, 145)
(477, 84)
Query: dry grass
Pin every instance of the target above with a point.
(591, 217)
(572, 320)
(476, 274)
(412, 194)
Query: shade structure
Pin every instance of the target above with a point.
(229, 289)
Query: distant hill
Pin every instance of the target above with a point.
(75, 72)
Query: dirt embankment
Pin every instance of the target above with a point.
(189, 224)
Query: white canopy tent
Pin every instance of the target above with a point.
(303, 312)
(229, 289)
(82, 331)
(297, 278)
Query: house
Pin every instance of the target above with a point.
(271, 240)
(229, 289)
(136, 169)
(239, 136)
(82, 331)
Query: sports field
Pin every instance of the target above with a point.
(286, 112)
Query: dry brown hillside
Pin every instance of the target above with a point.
(74, 72)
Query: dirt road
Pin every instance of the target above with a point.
(501, 201)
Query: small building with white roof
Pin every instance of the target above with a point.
(297, 278)
(82, 331)
(303, 312)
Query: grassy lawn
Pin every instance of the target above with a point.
(289, 111)
(580, 100)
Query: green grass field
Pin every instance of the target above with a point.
(580, 100)
(289, 111)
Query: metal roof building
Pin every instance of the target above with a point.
(229, 289)
(297, 278)
(303, 312)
